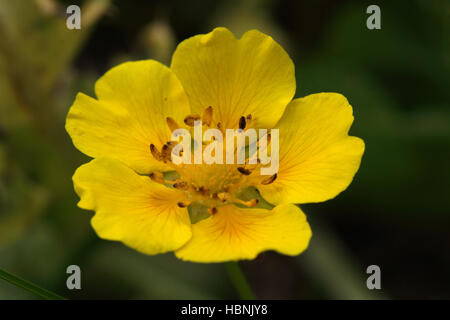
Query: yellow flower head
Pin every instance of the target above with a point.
(209, 212)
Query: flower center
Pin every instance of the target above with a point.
(211, 185)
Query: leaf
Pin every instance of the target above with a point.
(31, 287)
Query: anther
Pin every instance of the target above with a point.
(244, 171)
(157, 177)
(207, 116)
(252, 202)
(180, 185)
(242, 123)
(212, 210)
(269, 180)
(155, 153)
(202, 190)
(219, 125)
(223, 196)
(172, 124)
(190, 119)
(249, 203)
(166, 151)
(249, 117)
(183, 204)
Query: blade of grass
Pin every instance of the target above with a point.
(31, 287)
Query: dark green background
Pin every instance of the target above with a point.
(395, 214)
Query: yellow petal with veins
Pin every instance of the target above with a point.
(318, 158)
(233, 233)
(134, 100)
(236, 77)
(131, 208)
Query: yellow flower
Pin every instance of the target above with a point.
(229, 83)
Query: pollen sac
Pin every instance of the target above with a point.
(207, 116)
(244, 171)
(172, 124)
(267, 142)
(155, 153)
(269, 180)
(181, 185)
(202, 190)
(166, 151)
(242, 123)
(190, 119)
(157, 177)
(183, 204)
(252, 203)
(212, 211)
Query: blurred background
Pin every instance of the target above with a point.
(395, 214)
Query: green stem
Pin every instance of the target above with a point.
(31, 287)
(239, 281)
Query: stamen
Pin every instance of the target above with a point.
(166, 151)
(242, 123)
(249, 203)
(244, 171)
(155, 153)
(183, 204)
(172, 124)
(181, 185)
(269, 180)
(207, 116)
(202, 190)
(157, 177)
(223, 196)
(190, 119)
(252, 202)
(212, 211)
(207, 188)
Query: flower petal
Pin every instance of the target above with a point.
(130, 208)
(134, 100)
(234, 233)
(252, 75)
(318, 158)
